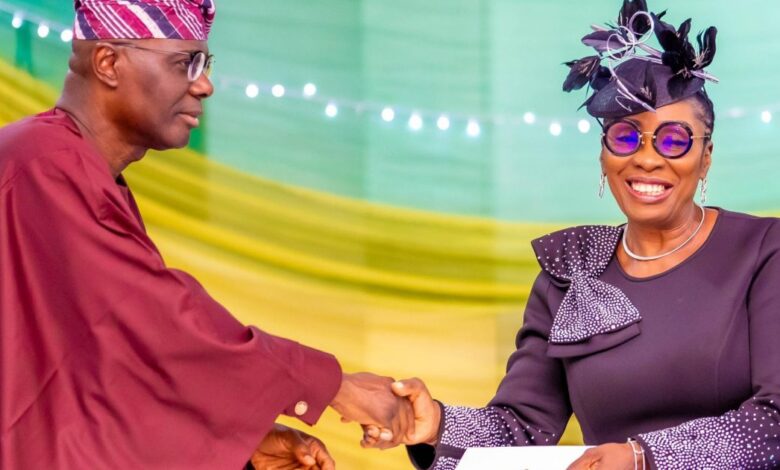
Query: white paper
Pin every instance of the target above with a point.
(521, 458)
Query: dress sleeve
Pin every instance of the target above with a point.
(111, 359)
(748, 437)
(531, 406)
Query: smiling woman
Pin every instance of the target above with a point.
(654, 180)
(654, 184)
(659, 334)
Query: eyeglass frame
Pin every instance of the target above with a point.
(684, 125)
(205, 69)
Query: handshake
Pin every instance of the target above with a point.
(390, 412)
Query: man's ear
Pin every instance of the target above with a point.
(104, 64)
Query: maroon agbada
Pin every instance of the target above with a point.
(109, 359)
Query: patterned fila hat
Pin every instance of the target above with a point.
(143, 19)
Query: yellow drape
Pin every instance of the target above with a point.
(389, 290)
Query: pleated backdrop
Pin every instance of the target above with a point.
(402, 253)
(389, 290)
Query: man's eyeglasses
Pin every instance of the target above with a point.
(199, 63)
(670, 139)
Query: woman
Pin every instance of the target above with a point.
(661, 335)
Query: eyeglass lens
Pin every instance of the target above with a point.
(197, 66)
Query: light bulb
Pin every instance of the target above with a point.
(443, 123)
(43, 30)
(17, 21)
(309, 90)
(388, 114)
(473, 129)
(252, 90)
(415, 122)
(278, 90)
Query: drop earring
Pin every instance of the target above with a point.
(704, 190)
(602, 185)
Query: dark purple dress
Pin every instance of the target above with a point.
(686, 361)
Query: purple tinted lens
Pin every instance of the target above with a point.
(622, 138)
(673, 140)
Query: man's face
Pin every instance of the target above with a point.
(157, 103)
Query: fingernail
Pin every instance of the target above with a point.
(398, 384)
(386, 436)
(309, 460)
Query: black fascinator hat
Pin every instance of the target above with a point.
(637, 77)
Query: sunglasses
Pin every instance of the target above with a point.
(670, 139)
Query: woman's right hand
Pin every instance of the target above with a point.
(427, 417)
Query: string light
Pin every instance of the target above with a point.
(415, 122)
(388, 114)
(252, 90)
(17, 21)
(443, 123)
(309, 91)
(473, 129)
(43, 30)
(278, 90)
(331, 110)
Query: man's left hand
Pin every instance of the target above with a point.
(289, 449)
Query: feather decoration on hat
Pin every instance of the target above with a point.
(680, 66)
(680, 55)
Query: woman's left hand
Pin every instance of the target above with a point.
(608, 457)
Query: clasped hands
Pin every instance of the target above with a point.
(392, 413)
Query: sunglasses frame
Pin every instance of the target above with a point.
(193, 73)
(661, 126)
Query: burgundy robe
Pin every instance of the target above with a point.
(109, 359)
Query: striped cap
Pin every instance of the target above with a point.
(144, 19)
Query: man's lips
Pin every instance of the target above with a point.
(192, 119)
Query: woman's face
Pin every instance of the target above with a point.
(651, 189)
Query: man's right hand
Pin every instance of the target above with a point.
(369, 400)
(427, 417)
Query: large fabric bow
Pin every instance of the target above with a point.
(590, 306)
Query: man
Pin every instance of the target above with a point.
(109, 358)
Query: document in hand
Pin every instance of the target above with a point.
(521, 458)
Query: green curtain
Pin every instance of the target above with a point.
(403, 252)
(488, 59)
